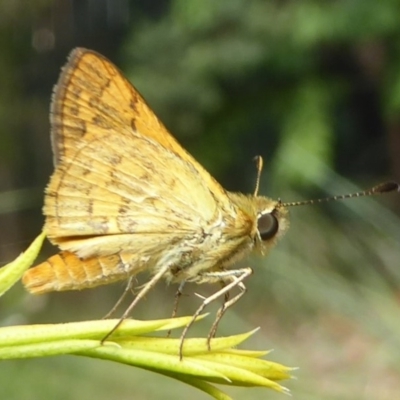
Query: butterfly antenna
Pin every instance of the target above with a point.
(385, 187)
(259, 162)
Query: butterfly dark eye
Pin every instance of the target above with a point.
(267, 226)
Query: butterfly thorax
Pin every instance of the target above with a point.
(269, 220)
(251, 224)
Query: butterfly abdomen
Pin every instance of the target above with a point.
(66, 271)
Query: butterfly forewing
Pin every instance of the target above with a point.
(122, 183)
(114, 150)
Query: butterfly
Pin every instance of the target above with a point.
(126, 198)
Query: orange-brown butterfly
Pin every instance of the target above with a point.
(125, 197)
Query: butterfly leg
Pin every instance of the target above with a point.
(178, 296)
(145, 289)
(128, 289)
(235, 276)
(227, 304)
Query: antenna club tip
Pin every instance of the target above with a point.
(387, 187)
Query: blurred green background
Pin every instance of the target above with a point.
(314, 87)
